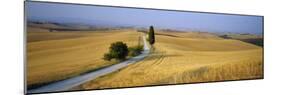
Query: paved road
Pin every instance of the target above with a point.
(78, 80)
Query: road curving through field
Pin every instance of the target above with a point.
(67, 84)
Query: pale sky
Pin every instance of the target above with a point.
(115, 16)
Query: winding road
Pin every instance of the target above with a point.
(67, 84)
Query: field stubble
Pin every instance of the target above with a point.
(54, 56)
(188, 60)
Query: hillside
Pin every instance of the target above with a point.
(53, 56)
(249, 38)
(188, 58)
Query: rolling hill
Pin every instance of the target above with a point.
(188, 58)
(54, 56)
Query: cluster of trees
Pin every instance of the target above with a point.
(120, 50)
(117, 50)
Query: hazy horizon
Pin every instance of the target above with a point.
(115, 16)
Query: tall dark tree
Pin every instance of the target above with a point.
(151, 37)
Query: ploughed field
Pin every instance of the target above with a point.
(189, 57)
(58, 55)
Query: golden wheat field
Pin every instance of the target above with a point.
(187, 58)
(53, 56)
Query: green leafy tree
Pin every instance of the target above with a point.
(117, 50)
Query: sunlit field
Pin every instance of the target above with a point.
(58, 55)
(76, 47)
(189, 57)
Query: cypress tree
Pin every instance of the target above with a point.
(151, 36)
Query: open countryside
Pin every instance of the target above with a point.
(66, 54)
(203, 58)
